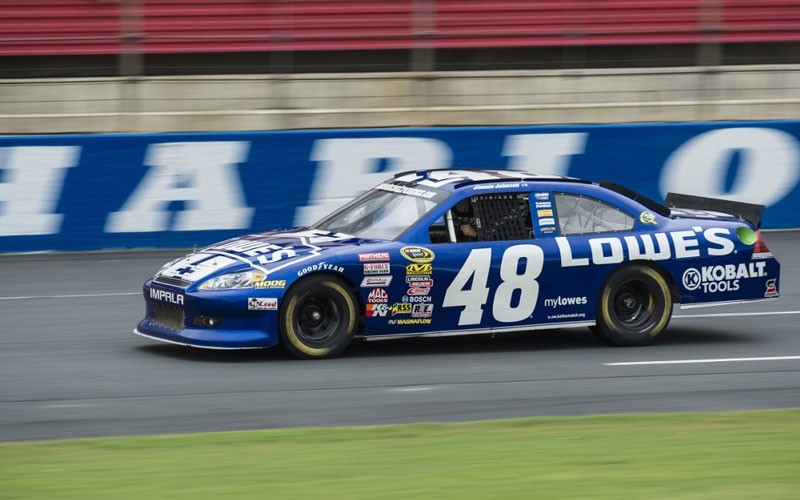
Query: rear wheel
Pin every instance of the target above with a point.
(318, 318)
(634, 306)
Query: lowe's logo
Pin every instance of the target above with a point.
(565, 301)
(166, 296)
(657, 246)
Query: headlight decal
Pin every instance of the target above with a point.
(230, 281)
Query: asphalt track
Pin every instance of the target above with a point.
(70, 366)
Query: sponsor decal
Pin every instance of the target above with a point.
(416, 298)
(422, 310)
(501, 185)
(377, 296)
(266, 253)
(263, 285)
(548, 230)
(377, 310)
(566, 316)
(419, 255)
(411, 321)
(419, 269)
(648, 218)
(262, 304)
(721, 278)
(419, 290)
(373, 257)
(373, 281)
(548, 221)
(544, 204)
(650, 246)
(401, 309)
(772, 288)
(166, 296)
(747, 235)
(419, 281)
(565, 301)
(376, 268)
(196, 266)
(322, 266)
(419, 193)
(541, 196)
(544, 213)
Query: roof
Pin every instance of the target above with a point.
(456, 178)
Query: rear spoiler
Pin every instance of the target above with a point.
(747, 211)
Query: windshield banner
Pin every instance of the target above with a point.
(87, 192)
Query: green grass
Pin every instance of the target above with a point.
(687, 456)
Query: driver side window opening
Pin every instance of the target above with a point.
(488, 217)
(581, 215)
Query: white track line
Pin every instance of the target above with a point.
(722, 315)
(72, 296)
(693, 361)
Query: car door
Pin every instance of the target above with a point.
(488, 280)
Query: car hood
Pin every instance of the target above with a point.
(266, 252)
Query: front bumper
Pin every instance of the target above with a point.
(207, 339)
(178, 316)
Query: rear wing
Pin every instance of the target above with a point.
(747, 211)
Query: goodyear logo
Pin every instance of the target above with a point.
(417, 254)
(401, 308)
(419, 269)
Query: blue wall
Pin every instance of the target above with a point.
(78, 192)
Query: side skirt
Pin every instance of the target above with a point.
(724, 303)
(478, 331)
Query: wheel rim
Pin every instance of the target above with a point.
(634, 304)
(318, 317)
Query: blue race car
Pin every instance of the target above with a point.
(448, 252)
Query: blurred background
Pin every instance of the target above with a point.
(185, 65)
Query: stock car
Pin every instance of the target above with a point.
(451, 252)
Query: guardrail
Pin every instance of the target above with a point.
(87, 192)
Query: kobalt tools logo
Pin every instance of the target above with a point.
(166, 296)
(721, 278)
(565, 301)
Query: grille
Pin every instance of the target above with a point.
(172, 281)
(168, 317)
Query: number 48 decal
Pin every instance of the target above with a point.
(477, 267)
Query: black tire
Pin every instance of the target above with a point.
(633, 307)
(318, 318)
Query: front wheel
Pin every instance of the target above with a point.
(318, 318)
(634, 306)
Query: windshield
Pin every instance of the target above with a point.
(384, 212)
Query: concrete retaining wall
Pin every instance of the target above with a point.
(264, 102)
